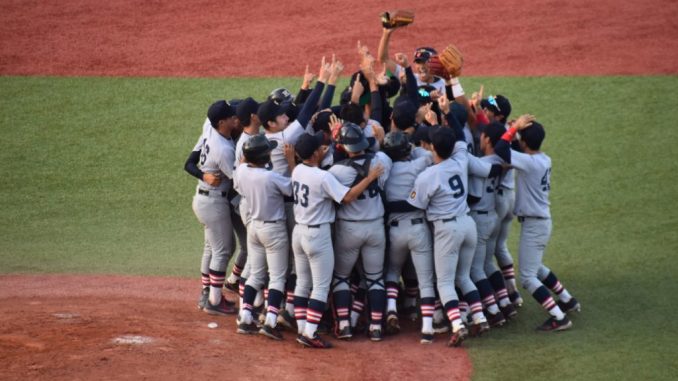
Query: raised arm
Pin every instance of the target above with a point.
(335, 70)
(304, 91)
(382, 52)
(312, 102)
(503, 146)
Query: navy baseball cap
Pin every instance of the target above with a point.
(308, 144)
(245, 109)
(422, 55)
(269, 110)
(219, 110)
(404, 114)
(499, 105)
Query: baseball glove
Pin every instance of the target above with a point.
(436, 67)
(397, 18)
(452, 60)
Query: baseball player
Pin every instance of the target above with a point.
(315, 191)
(359, 231)
(483, 212)
(408, 233)
(246, 112)
(498, 109)
(211, 205)
(533, 172)
(267, 239)
(441, 190)
(421, 57)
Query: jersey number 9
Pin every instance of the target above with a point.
(457, 186)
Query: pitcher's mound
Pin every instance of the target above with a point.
(112, 327)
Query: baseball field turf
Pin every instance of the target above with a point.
(93, 182)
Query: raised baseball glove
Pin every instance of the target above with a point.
(436, 67)
(397, 18)
(452, 60)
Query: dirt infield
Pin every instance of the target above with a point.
(272, 38)
(61, 327)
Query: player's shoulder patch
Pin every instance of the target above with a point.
(413, 194)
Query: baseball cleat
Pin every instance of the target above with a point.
(392, 324)
(479, 328)
(516, 299)
(426, 338)
(204, 297)
(458, 337)
(286, 320)
(375, 335)
(571, 306)
(509, 311)
(247, 329)
(496, 320)
(344, 334)
(440, 327)
(232, 287)
(314, 342)
(270, 332)
(554, 325)
(224, 308)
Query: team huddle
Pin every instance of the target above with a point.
(395, 204)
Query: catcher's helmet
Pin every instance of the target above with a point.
(258, 148)
(352, 137)
(281, 95)
(423, 54)
(396, 145)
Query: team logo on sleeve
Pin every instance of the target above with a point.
(413, 194)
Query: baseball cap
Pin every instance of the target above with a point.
(422, 55)
(245, 109)
(421, 135)
(497, 104)
(259, 146)
(269, 110)
(219, 110)
(307, 144)
(404, 114)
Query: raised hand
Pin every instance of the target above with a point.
(335, 70)
(430, 115)
(444, 104)
(324, 74)
(523, 122)
(335, 126)
(401, 59)
(308, 79)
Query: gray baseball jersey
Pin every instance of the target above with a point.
(217, 155)
(441, 188)
(244, 138)
(400, 181)
(289, 135)
(485, 187)
(314, 190)
(368, 206)
(533, 183)
(264, 191)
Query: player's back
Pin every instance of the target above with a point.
(289, 135)
(313, 195)
(533, 184)
(400, 182)
(446, 186)
(369, 205)
(217, 155)
(485, 187)
(264, 191)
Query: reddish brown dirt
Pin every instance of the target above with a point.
(62, 327)
(272, 38)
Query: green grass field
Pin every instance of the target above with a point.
(93, 182)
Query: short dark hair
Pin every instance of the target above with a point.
(533, 136)
(353, 113)
(258, 160)
(494, 131)
(443, 142)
